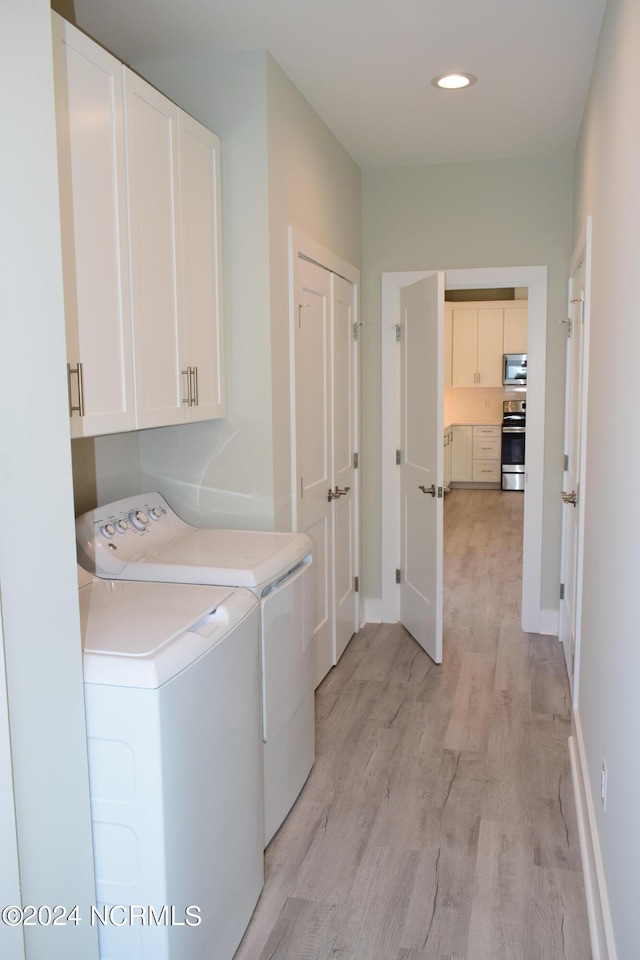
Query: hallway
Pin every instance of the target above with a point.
(438, 821)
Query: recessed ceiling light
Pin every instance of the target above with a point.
(453, 81)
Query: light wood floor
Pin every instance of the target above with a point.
(438, 821)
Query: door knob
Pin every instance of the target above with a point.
(342, 493)
(332, 496)
(571, 498)
(431, 489)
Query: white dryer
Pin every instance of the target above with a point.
(172, 687)
(142, 538)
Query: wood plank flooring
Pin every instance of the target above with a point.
(438, 821)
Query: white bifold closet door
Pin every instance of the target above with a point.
(325, 447)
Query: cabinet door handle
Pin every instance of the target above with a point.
(76, 372)
(194, 390)
(189, 397)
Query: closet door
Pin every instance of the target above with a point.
(344, 444)
(314, 441)
(152, 178)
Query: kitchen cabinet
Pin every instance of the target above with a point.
(94, 233)
(447, 449)
(140, 211)
(448, 344)
(515, 328)
(486, 453)
(462, 453)
(477, 347)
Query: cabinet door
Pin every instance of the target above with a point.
(490, 326)
(448, 345)
(462, 453)
(90, 130)
(464, 348)
(515, 329)
(201, 334)
(152, 178)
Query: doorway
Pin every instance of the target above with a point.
(534, 278)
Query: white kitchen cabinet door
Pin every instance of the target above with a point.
(515, 329)
(93, 213)
(448, 344)
(152, 178)
(464, 369)
(200, 307)
(490, 325)
(462, 454)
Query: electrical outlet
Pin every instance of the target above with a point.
(603, 785)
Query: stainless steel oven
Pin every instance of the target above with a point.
(514, 417)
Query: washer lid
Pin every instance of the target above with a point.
(239, 558)
(135, 622)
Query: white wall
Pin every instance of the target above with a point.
(42, 647)
(608, 187)
(488, 214)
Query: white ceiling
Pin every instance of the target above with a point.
(366, 65)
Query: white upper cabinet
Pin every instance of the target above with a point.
(515, 329)
(90, 132)
(201, 343)
(481, 334)
(152, 178)
(140, 211)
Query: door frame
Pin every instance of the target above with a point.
(534, 618)
(308, 249)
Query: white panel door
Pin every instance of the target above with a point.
(152, 178)
(314, 444)
(571, 477)
(93, 211)
(201, 346)
(421, 493)
(343, 420)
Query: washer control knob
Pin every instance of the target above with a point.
(155, 513)
(122, 526)
(138, 519)
(107, 530)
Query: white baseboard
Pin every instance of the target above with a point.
(372, 610)
(548, 623)
(600, 926)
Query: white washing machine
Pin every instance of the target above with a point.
(172, 686)
(142, 538)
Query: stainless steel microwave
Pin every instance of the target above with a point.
(514, 369)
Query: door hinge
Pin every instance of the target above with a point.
(573, 664)
(398, 329)
(356, 584)
(398, 580)
(562, 591)
(440, 492)
(355, 461)
(566, 461)
(398, 457)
